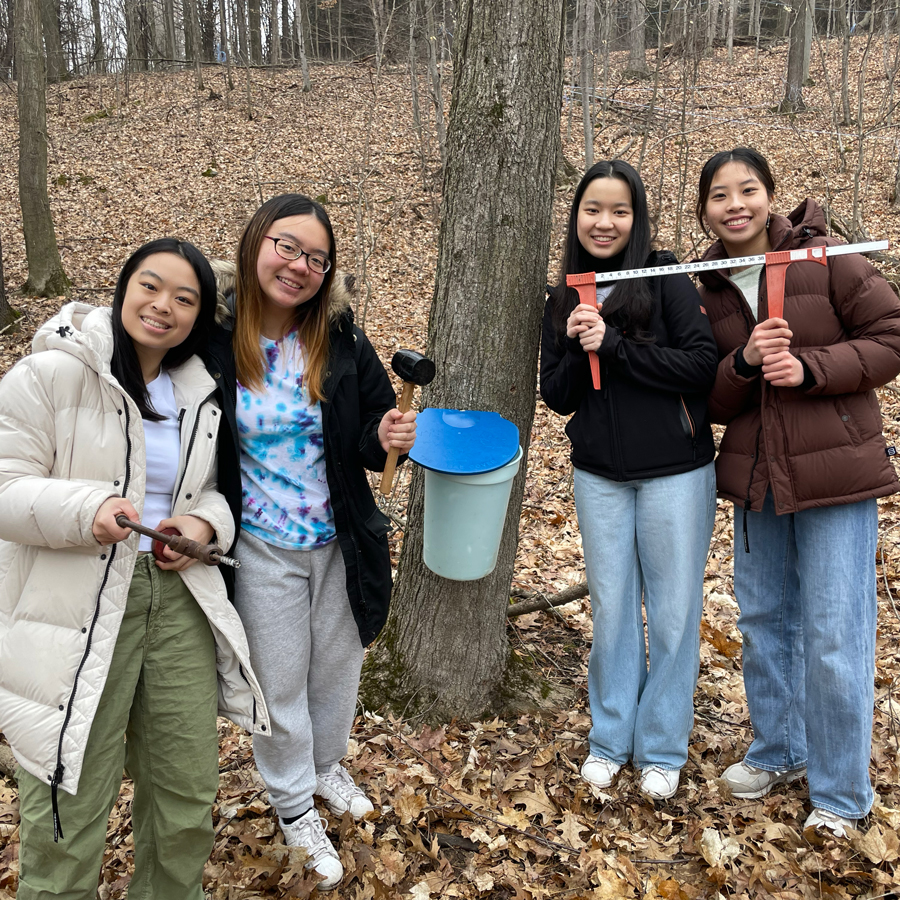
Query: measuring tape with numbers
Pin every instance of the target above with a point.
(737, 262)
(776, 264)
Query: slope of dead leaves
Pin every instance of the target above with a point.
(479, 809)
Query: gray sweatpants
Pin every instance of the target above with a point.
(306, 653)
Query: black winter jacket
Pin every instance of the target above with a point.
(358, 393)
(649, 418)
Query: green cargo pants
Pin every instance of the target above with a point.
(161, 694)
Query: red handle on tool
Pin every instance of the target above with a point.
(776, 270)
(586, 285)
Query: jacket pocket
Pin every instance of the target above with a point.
(848, 421)
(378, 523)
(687, 420)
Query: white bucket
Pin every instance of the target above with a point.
(464, 517)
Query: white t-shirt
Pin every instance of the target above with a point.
(163, 442)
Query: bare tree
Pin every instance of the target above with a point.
(437, 86)
(637, 40)
(798, 59)
(255, 32)
(444, 650)
(584, 10)
(45, 272)
(301, 44)
(56, 60)
(7, 314)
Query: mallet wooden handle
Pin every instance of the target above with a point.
(387, 478)
(209, 554)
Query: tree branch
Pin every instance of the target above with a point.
(542, 601)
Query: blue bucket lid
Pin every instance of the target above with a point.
(463, 442)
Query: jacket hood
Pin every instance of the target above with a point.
(343, 289)
(81, 330)
(785, 233)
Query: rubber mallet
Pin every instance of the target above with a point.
(413, 370)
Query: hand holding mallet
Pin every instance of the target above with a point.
(413, 369)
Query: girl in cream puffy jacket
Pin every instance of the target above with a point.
(97, 638)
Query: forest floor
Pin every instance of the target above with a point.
(493, 808)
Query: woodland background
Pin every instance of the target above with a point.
(151, 131)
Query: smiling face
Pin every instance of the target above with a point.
(737, 210)
(605, 217)
(289, 283)
(159, 308)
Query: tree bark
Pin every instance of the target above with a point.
(301, 45)
(274, 40)
(444, 651)
(637, 39)
(796, 71)
(7, 314)
(255, 32)
(56, 60)
(168, 15)
(46, 277)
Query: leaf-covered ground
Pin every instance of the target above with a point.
(483, 809)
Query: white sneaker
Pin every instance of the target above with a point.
(659, 783)
(599, 771)
(308, 832)
(822, 818)
(748, 782)
(341, 793)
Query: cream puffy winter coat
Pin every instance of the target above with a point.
(70, 438)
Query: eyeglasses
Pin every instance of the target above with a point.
(317, 262)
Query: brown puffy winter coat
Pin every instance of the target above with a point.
(820, 445)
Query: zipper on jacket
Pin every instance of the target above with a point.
(58, 773)
(187, 456)
(749, 485)
(690, 427)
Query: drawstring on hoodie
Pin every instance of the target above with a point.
(54, 802)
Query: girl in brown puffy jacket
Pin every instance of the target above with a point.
(803, 459)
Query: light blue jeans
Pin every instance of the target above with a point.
(647, 538)
(808, 607)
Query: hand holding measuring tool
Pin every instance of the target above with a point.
(586, 285)
(413, 369)
(209, 554)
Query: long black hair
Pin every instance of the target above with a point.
(124, 364)
(746, 156)
(630, 305)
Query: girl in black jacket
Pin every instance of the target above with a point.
(644, 484)
(314, 409)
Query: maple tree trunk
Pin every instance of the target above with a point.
(274, 48)
(637, 39)
(7, 314)
(56, 60)
(168, 15)
(301, 45)
(255, 32)
(796, 71)
(45, 272)
(444, 651)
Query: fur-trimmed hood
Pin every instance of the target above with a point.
(340, 298)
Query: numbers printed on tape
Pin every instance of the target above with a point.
(736, 262)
